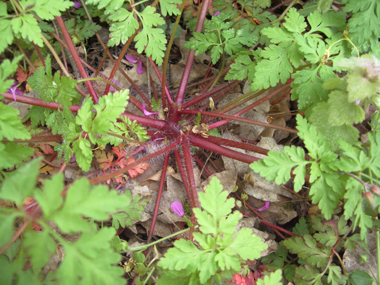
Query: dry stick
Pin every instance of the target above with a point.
(76, 58)
(159, 195)
(134, 164)
(239, 101)
(212, 126)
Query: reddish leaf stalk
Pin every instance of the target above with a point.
(223, 122)
(158, 200)
(229, 117)
(184, 177)
(165, 93)
(203, 143)
(76, 58)
(189, 170)
(190, 59)
(240, 145)
(199, 98)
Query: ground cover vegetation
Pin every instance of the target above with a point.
(63, 61)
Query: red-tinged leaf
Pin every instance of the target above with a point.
(139, 169)
(47, 149)
(21, 75)
(119, 151)
(121, 162)
(104, 159)
(30, 205)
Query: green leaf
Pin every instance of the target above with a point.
(90, 260)
(341, 111)
(335, 275)
(169, 7)
(129, 212)
(363, 24)
(7, 67)
(10, 124)
(242, 68)
(26, 26)
(7, 222)
(301, 228)
(214, 202)
(44, 9)
(306, 248)
(122, 30)
(21, 183)
(110, 5)
(82, 200)
(248, 246)
(50, 199)
(185, 255)
(12, 154)
(83, 153)
(360, 277)
(7, 37)
(277, 166)
(294, 22)
(275, 278)
(324, 5)
(40, 245)
(327, 191)
(308, 275)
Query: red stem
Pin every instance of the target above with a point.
(203, 143)
(240, 145)
(190, 172)
(202, 165)
(166, 93)
(158, 200)
(197, 99)
(190, 58)
(76, 58)
(184, 177)
(229, 117)
(246, 109)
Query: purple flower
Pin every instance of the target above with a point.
(147, 113)
(265, 207)
(15, 91)
(73, 159)
(77, 4)
(112, 89)
(217, 13)
(177, 208)
(135, 59)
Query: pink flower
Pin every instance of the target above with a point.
(217, 13)
(177, 208)
(112, 89)
(14, 90)
(135, 59)
(265, 207)
(77, 4)
(147, 113)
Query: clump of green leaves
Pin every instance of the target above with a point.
(24, 24)
(94, 124)
(10, 124)
(219, 37)
(221, 249)
(316, 248)
(333, 178)
(88, 255)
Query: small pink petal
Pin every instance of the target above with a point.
(147, 113)
(77, 4)
(265, 207)
(131, 58)
(140, 69)
(112, 89)
(13, 91)
(217, 13)
(177, 208)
